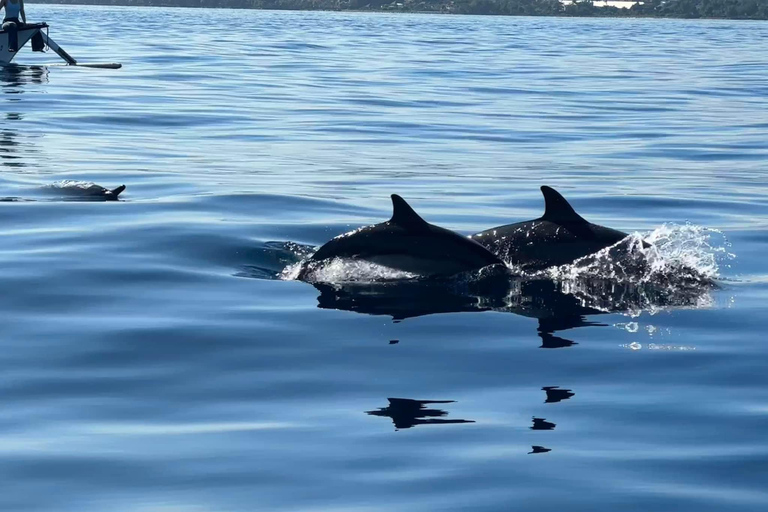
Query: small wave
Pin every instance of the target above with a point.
(294, 249)
(274, 259)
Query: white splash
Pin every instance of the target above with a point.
(74, 185)
(675, 254)
(677, 267)
(291, 272)
(342, 270)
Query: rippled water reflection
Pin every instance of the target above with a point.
(152, 361)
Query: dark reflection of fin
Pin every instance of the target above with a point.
(549, 325)
(407, 413)
(565, 322)
(542, 424)
(555, 394)
(549, 341)
(539, 449)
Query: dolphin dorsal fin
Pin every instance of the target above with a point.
(557, 209)
(404, 216)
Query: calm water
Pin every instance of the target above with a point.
(151, 361)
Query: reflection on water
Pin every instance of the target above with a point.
(556, 306)
(547, 326)
(9, 155)
(542, 424)
(549, 341)
(555, 394)
(407, 413)
(13, 76)
(13, 80)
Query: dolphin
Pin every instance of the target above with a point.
(558, 237)
(406, 242)
(84, 190)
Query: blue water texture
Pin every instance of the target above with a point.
(156, 357)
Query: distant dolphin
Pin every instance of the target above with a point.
(72, 190)
(558, 237)
(408, 243)
(84, 190)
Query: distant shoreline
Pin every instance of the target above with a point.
(686, 9)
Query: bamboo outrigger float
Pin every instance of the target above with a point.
(29, 31)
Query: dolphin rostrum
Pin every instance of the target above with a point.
(558, 237)
(408, 243)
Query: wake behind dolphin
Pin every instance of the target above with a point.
(559, 237)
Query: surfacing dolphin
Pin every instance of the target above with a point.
(408, 243)
(84, 191)
(558, 237)
(72, 190)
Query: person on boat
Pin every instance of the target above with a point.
(14, 9)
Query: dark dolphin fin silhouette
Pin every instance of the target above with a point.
(557, 209)
(117, 191)
(405, 216)
(559, 237)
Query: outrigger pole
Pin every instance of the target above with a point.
(38, 30)
(58, 49)
(71, 60)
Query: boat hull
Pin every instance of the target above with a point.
(25, 34)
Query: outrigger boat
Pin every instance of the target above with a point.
(38, 33)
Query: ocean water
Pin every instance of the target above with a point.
(154, 360)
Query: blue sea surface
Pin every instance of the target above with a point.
(152, 360)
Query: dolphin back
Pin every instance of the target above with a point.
(559, 237)
(409, 243)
